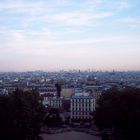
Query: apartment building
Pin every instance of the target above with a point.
(81, 108)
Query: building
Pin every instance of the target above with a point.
(67, 92)
(55, 102)
(3, 91)
(94, 90)
(81, 108)
(47, 90)
(78, 91)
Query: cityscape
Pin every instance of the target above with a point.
(69, 69)
(74, 94)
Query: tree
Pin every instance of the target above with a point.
(21, 114)
(119, 110)
(5, 117)
(52, 118)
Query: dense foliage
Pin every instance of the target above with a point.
(21, 113)
(52, 117)
(120, 110)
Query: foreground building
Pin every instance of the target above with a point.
(81, 108)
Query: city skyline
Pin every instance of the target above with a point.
(69, 34)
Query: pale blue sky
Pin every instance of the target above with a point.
(69, 34)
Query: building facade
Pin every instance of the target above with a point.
(81, 108)
(67, 92)
(55, 102)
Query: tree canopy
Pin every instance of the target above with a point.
(120, 110)
(52, 117)
(21, 114)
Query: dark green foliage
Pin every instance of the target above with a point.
(21, 114)
(52, 118)
(120, 110)
(66, 105)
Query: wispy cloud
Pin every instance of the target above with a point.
(131, 21)
(77, 18)
(71, 33)
(123, 4)
(35, 42)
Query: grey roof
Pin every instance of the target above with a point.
(82, 97)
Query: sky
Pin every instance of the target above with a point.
(53, 35)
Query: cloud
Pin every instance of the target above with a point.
(20, 6)
(68, 34)
(131, 21)
(77, 18)
(124, 4)
(50, 12)
(38, 43)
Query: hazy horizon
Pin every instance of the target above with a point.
(73, 69)
(69, 34)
